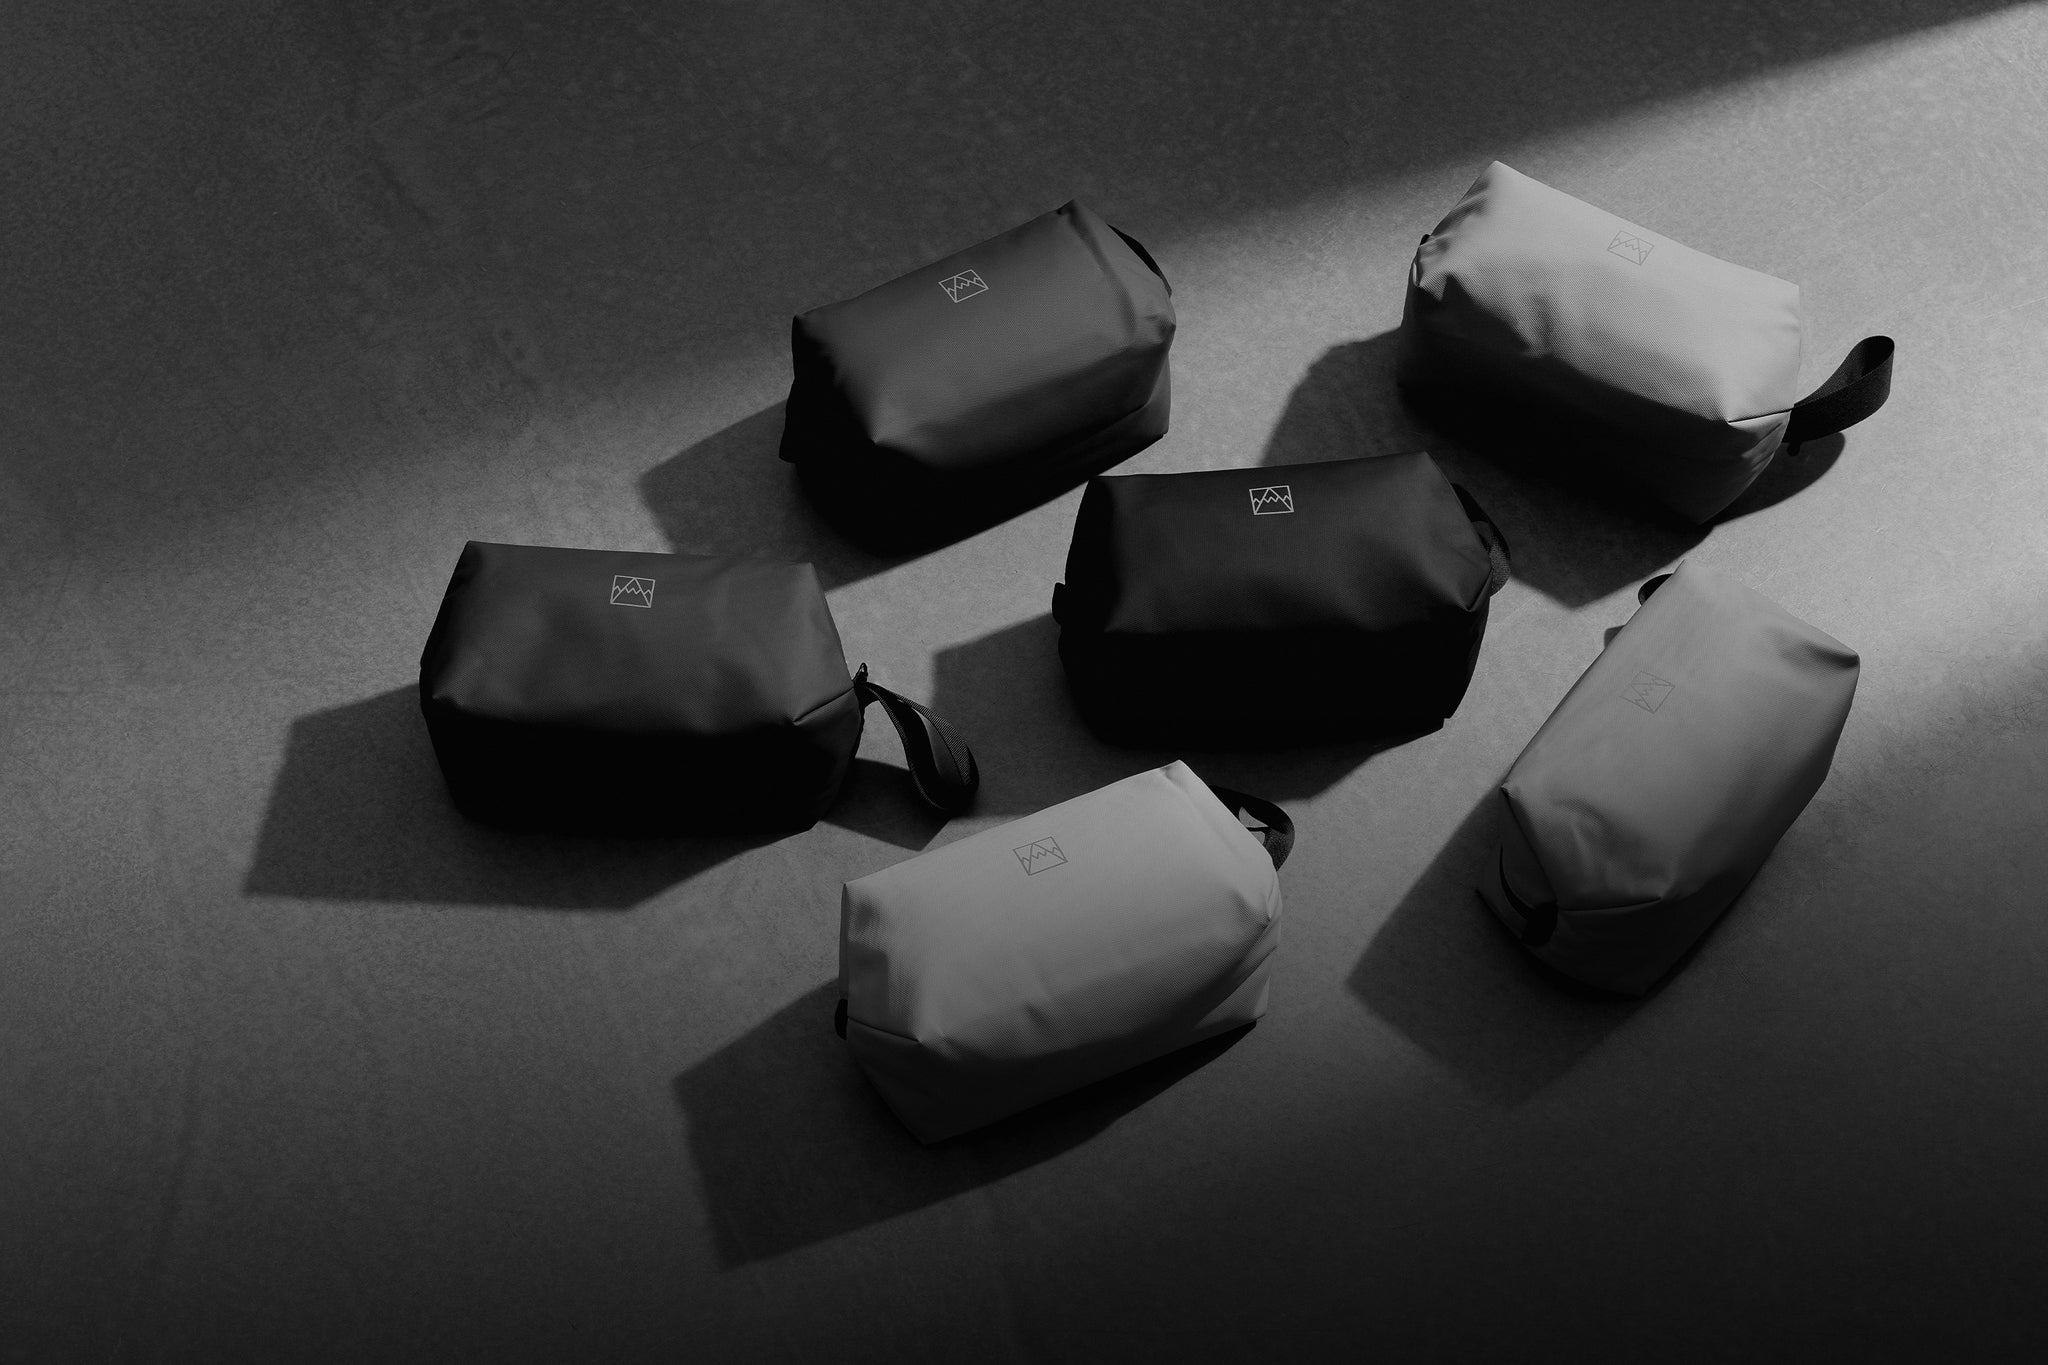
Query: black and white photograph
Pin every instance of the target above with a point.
(929, 681)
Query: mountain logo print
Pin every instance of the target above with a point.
(964, 285)
(628, 591)
(1038, 855)
(1648, 691)
(1630, 247)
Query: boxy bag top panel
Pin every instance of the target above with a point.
(1529, 271)
(998, 347)
(1092, 920)
(1687, 749)
(1143, 558)
(631, 642)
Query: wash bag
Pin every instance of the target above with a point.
(1278, 605)
(982, 384)
(1538, 322)
(1665, 777)
(1021, 962)
(617, 691)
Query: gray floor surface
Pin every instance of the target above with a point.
(296, 1065)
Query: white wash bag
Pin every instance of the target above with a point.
(1665, 777)
(1019, 963)
(1591, 342)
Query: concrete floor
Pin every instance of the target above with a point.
(295, 299)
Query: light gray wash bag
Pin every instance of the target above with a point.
(1665, 777)
(1030, 959)
(1542, 323)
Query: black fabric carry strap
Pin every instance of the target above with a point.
(1274, 829)
(1498, 552)
(1134, 244)
(1857, 388)
(1539, 922)
(942, 767)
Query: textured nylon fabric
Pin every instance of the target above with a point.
(982, 382)
(1653, 359)
(1282, 603)
(713, 645)
(1062, 331)
(1665, 777)
(1032, 958)
(619, 689)
(1370, 544)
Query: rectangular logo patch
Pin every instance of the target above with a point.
(964, 285)
(1630, 247)
(1648, 691)
(1038, 855)
(1267, 502)
(628, 591)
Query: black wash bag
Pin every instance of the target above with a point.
(1286, 604)
(981, 385)
(621, 691)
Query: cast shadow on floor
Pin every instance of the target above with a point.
(1575, 540)
(1450, 977)
(1007, 693)
(878, 161)
(732, 494)
(793, 1146)
(359, 813)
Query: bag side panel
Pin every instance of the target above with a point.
(1529, 273)
(1284, 603)
(1366, 543)
(1090, 584)
(1695, 737)
(936, 1100)
(818, 423)
(1664, 780)
(1546, 413)
(888, 503)
(623, 691)
(554, 777)
(1519, 865)
(1033, 957)
(1040, 348)
(633, 644)
(1230, 689)
(1629, 949)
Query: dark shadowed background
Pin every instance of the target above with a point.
(298, 1065)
